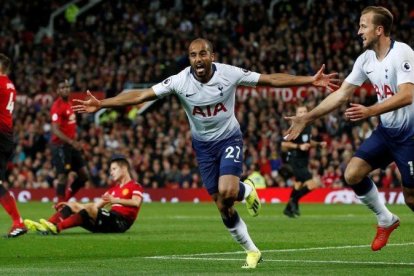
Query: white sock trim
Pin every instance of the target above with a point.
(248, 189)
(374, 202)
(241, 235)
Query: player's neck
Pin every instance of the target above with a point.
(205, 79)
(383, 47)
(124, 180)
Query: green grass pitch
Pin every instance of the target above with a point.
(190, 239)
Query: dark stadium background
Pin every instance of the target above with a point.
(117, 45)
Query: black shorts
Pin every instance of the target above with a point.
(301, 173)
(66, 158)
(107, 222)
(6, 152)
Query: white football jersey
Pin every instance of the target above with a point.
(395, 69)
(209, 106)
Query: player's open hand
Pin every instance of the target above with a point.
(357, 112)
(107, 198)
(330, 81)
(90, 105)
(298, 123)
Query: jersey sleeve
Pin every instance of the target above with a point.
(138, 191)
(243, 76)
(167, 86)
(357, 76)
(404, 66)
(54, 115)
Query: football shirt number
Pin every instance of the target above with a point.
(10, 104)
(410, 164)
(230, 151)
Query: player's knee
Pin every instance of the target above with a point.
(352, 176)
(228, 193)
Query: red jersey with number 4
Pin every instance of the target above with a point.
(126, 191)
(7, 99)
(62, 114)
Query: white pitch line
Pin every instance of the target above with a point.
(281, 261)
(274, 251)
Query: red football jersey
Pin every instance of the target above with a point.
(126, 191)
(62, 114)
(7, 99)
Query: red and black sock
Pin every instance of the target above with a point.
(60, 215)
(73, 220)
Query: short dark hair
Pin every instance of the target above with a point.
(5, 63)
(382, 17)
(121, 160)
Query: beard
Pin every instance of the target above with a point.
(370, 45)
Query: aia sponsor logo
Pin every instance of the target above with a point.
(209, 110)
(384, 92)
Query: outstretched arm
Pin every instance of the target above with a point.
(131, 97)
(330, 103)
(329, 81)
(404, 97)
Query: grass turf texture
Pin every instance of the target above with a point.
(187, 238)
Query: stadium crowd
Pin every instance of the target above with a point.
(118, 44)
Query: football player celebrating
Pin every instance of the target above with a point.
(207, 91)
(388, 65)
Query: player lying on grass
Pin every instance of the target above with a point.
(125, 199)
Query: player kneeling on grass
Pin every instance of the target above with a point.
(125, 199)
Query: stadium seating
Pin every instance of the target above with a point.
(119, 44)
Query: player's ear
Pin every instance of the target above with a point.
(213, 57)
(379, 30)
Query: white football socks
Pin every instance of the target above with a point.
(374, 202)
(240, 235)
(248, 189)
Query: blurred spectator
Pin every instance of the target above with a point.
(118, 44)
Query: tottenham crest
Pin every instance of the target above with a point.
(406, 66)
(246, 72)
(166, 82)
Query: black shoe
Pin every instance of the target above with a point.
(288, 210)
(295, 208)
(16, 231)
